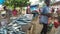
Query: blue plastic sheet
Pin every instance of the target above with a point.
(33, 7)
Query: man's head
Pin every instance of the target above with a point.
(4, 8)
(47, 2)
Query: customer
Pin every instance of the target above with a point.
(8, 13)
(45, 14)
(28, 11)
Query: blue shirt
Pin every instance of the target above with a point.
(46, 10)
(44, 19)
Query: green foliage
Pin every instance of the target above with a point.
(16, 3)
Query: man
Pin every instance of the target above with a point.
(45, 14)
(28, 11)
(8, 13)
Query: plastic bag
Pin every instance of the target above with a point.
(50, 27)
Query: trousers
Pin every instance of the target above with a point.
(44, 29)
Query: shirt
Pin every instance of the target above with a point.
(46, 10)
(44, 19)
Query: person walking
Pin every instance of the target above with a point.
(45, 14)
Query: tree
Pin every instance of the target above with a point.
(52, 2)
(16, 3)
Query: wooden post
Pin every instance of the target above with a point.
(0, 18)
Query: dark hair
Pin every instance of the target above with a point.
(3, 15)
(47, 1)
(4, 7)
(52, 9)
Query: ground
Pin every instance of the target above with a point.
(36, 27)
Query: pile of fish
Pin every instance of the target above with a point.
(15, 27)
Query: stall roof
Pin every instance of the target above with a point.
(56, 3)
